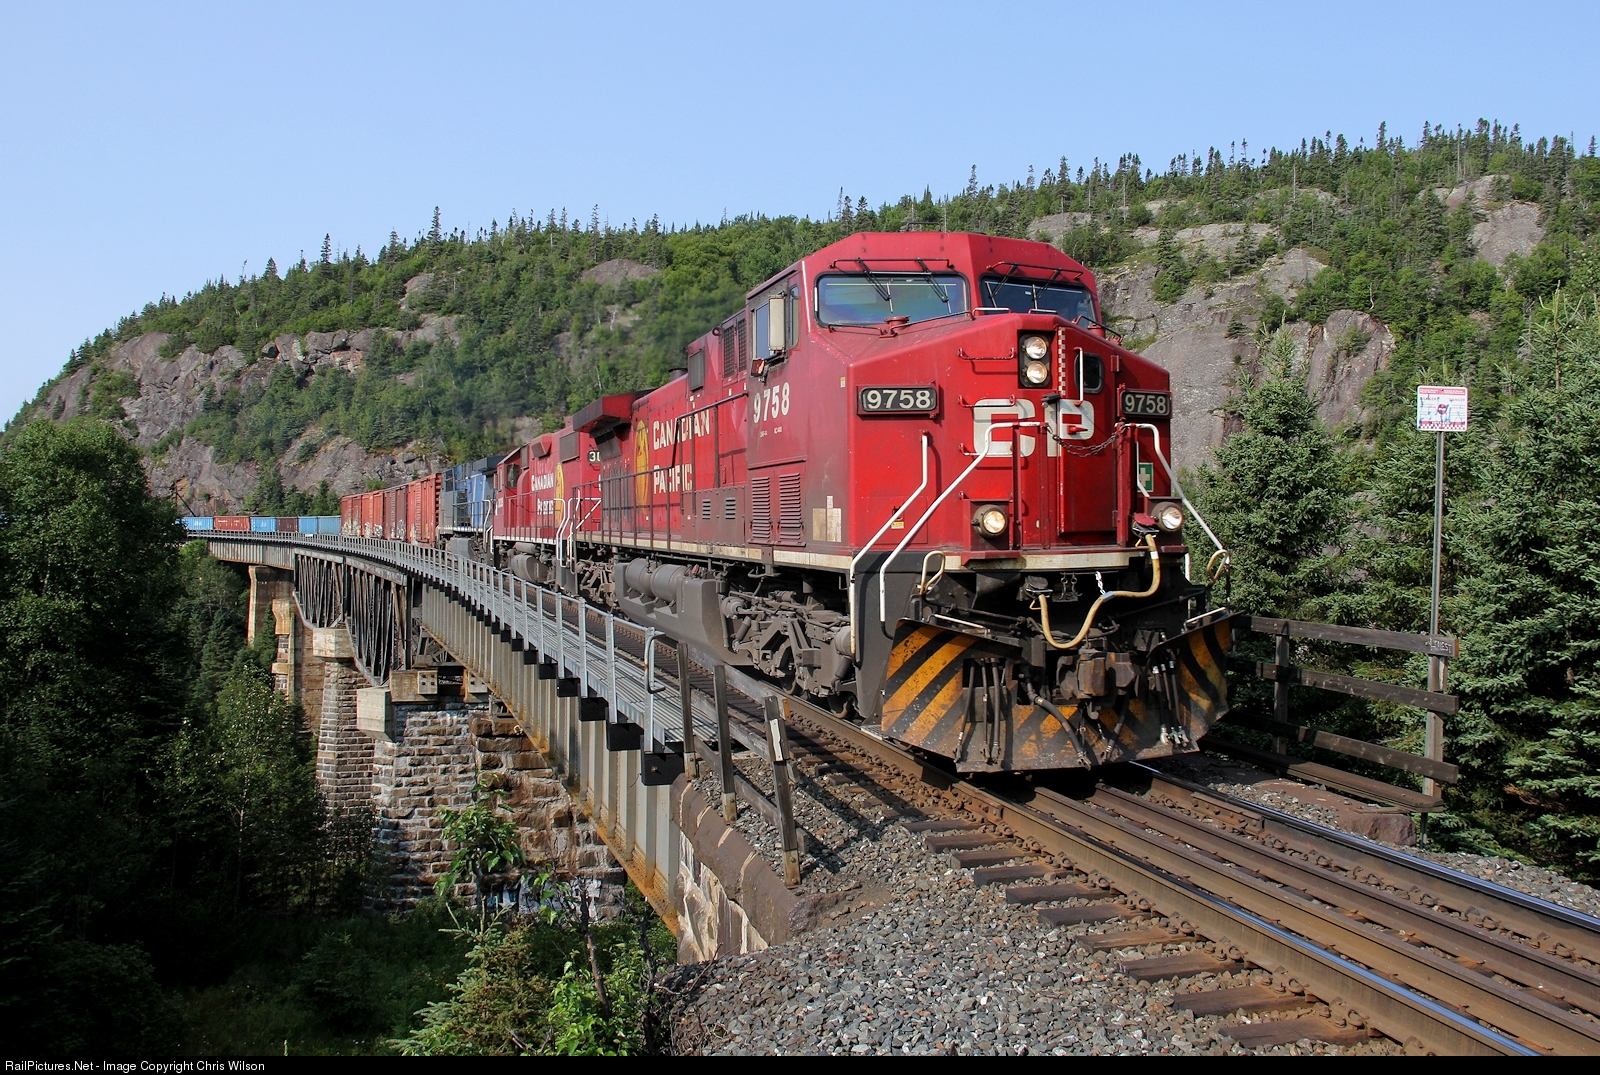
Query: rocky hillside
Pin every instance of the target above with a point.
(169, 393)
(1207, 337)
(1369, 265)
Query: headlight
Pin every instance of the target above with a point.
(1035, 346)
(991, 521)
(1170, 517)
(1036, 372)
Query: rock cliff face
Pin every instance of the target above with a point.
(1206, 340)
(172, 391)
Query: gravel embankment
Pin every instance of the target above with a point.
(920, 960)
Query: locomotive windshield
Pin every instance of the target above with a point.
(873, 298)
(1026, 296)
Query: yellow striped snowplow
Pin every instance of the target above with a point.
(975, 701)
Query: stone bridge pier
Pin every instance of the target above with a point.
(391, 767)
(424, 676)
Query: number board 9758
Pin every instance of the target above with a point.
(1138, 403)
(898, 399)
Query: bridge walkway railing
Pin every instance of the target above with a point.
(580, 638)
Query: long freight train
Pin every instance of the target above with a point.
(913, 477)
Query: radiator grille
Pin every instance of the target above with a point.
(791, 525)
(761, 509)
(735, 357)
(730, 507)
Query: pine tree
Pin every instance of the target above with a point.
(1529, 609)
(1275, 495)
(435, 236)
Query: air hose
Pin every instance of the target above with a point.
(1043, 605)
(1055, 711)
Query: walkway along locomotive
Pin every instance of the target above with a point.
(914, 477)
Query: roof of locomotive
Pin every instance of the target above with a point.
(967, 252)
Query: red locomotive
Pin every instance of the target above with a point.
(912, 476)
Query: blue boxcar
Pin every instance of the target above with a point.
(263, 524)
(319, 524)
(197, 522)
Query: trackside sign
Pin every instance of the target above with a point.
(1441, 409)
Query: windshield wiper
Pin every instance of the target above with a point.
(882, 290)
(938, 288)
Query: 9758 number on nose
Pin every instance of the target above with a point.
(1140, 404)
(898, 399)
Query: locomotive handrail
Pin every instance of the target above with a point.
(1178, 489)
(850, 581)
(988, 436)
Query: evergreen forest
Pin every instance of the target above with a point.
(169, 868)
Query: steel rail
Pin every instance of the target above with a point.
(1142, 865)
(1544, 925)
(1334, 910)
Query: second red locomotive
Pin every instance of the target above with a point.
(912, 477)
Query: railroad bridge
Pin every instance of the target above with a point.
(428, 673)
(423, 672)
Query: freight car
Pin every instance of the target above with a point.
(914, 478)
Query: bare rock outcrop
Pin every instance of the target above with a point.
(190, 473)
(1345, 351)
(1217, 240)
(1513, 228)
(1205, 341)
(171, 392)
(347, 467)
(418, 285)
(1480, 190)
(1052, 228)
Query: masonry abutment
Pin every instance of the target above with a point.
(344, 753)
(579, 808)
(429, 764)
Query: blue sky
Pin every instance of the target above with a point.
(144, 150)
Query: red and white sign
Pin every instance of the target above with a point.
(1441, 409)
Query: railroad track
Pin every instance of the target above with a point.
(1438, 961)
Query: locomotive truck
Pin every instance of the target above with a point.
(913, 478)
